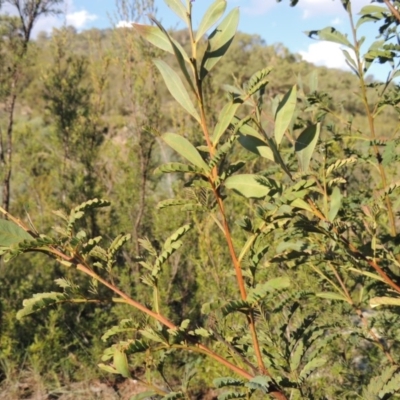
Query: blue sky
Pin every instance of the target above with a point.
(274, 22)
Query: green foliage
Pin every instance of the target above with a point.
(289, 289)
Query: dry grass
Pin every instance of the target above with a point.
(31, 387)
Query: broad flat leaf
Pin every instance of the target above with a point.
(107, 368)
(121, 363)
(224, 119)
(155, 36)
(219, 42)
(371, 13)
(330, 35)
(182, 146)
(211, 17)
(384, 301)
(371, 9)
(300, 203)
(336, 201)
(284, 113)
(178, 8)
(350, 60)
(305, 145)
(179, 52)
(248, 185)
(176, 88)
(369, 274)
(11, 233)
(331, 296)
(251, 140)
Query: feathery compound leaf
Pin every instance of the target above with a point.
(38, 302)
(164, 256)
(219, 42)
(249, 185)
(117, 243)
(228, 381)
(170, 246)
(222, 151)
(26, 245)
(340, 163)
(258, 81)
(91, 244)
(260, 291)
(211, 17)
(177, 167)
(178, 234)
(137, 346)
(284, 114)
(176, 88)
(305, 145)
(310, 367)
(235, 305)
(146, 244)
(126, 325)
(153, 335)
(183, 147)
(11, 233)
(79, 211)
(391, 188)
(378, 382)
(260, 382)
(392, 386)
(232, 395)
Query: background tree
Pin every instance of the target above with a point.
(16, 34)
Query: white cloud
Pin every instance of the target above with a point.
(124, 24)
(46, 24)
(79, 19)
(325, 53)
(69, 15)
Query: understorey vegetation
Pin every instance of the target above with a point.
(198, 212)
